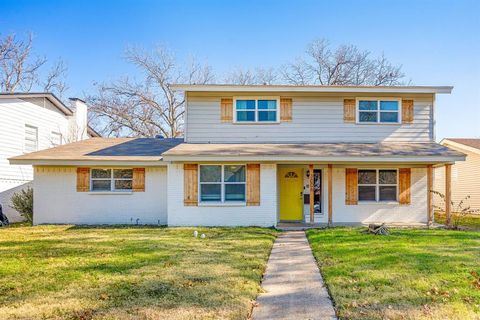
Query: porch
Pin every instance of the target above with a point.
(337, 198)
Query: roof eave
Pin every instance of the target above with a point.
(346, 159)
(454, 144)
(54, 162)
(318, 89)
(48, 95)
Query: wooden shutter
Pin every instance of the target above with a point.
(349, 111)
(190, 184)
(351, 186)
(83, 179)
(226, 106)
(138, 183)
(404, 181)
(285, 109)
(253, 184)
(407, 111)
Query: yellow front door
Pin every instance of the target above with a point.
(291, 194)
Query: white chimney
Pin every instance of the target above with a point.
(79, 122)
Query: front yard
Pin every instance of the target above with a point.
(67, 272)
(411, 274)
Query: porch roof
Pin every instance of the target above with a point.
(335, 152)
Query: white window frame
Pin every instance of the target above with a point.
(256, 110)
(112, 180)
(57, 134)
(357, 106)
(25, 137)
(222, 183)
(377, 186)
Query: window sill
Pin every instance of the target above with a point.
(255, 122)
(378, 202)
(110, 192)
(379, 123)
(222, 204)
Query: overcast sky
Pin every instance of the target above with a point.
(437, 42)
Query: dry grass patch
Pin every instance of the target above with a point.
(469, 221)
(65, 272)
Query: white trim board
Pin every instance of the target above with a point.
(311, 88)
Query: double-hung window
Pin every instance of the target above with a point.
(378, 111)
(31, 138)
(222, 183)
(377, 185)
(256, 110)
(111, 179)
(56, 139)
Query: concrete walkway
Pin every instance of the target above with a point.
(293, 285)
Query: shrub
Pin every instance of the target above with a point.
(459, 210)
(23, 202)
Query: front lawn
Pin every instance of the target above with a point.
(66, 272)
(470, 221)
(411, 274)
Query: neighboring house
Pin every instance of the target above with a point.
(257, 155)
(465, 175)
(30, 122)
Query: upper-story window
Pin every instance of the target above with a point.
(261, 110)
(378, 110)
(55, 139)
(31, 138)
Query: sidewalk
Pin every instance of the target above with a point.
(293, 285)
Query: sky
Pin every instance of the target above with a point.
(437, 42)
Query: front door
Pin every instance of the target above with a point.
(291, 194)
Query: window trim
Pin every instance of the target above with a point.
(112, 181)
(378, 99)
(59, 135)
(222, 185)
(256, 98)
(377, 186)
(25, 137)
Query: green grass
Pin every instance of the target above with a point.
(411, 274)
(65, 272)
(471, 221)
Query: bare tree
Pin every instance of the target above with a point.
(55, 79)
(20, 68)
(264, 76)
(147, 107)
(344, 65)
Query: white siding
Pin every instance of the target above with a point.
(264, 215)
(415, 212)
(57, 201)
(465, 180)
(315, 119)
(14, 115)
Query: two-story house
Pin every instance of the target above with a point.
(30, 122)
(257, 155)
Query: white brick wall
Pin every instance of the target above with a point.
(57, 201)
(264, 215)
(415, 212)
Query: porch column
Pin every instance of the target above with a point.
(330, 176)
(448, 194)
(429, 194)
(312, 192)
